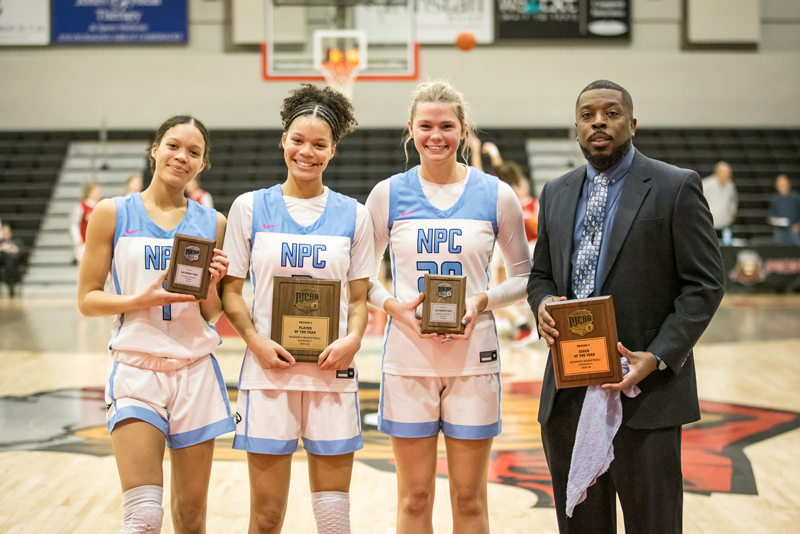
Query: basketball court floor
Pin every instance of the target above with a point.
(740, 462)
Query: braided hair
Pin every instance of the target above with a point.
(326, 104)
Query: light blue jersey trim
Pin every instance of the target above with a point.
(358, 407)
(408, 430)
(478, 201)
(247, 416)
(338, 218)
(403, 430)
(133, 221)
(111, 384)
(142, 414)
(119, 292)
(333, 447)
(200, 435)
(264, 446)
(222, 388)
(499, 398)
(472, 432)
(121, 322)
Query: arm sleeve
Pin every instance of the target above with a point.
(514, 244)
(700, 276)
(75, 224)
(238, 235)
(362, 251)
(378, 207)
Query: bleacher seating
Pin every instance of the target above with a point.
(756, 157)
(29, 166)
(244, 160)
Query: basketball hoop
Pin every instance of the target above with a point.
(340, 55)
(341, 75)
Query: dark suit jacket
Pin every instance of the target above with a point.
(663, 268)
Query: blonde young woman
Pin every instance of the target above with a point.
(164, 385)
(443, 217)
(300, 228)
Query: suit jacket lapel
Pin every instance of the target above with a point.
(568, 209)
(630, 200)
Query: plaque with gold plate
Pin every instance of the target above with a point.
(188, 266)
(444, 305)
(305, 315)
(585, 351)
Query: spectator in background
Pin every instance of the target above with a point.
(92, 194)
(10, 255)
(723, 200)
(194, 192)
(784, 213)
(512, 174)
(513, 321)
(133, 184)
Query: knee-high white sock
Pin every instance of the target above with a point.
(331, 511)
(142, 511)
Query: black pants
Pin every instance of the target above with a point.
(645, 473)
(9, 268)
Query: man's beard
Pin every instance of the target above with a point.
(602, 162)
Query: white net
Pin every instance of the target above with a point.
(341, 76)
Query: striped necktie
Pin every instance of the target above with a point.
(591, 237)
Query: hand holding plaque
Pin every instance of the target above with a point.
(585, 351)
(305, 315)
(189, 265)
(444, 305)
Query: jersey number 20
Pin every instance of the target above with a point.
(431, 267)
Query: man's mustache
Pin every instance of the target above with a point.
(600, 135)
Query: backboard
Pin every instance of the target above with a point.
(300, 34)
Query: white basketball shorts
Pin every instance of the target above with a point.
(189, 405)
(270, 421)
(463, 407)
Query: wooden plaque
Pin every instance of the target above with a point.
(444, 305)
(585, 352)
(305, 315)
(188, 266)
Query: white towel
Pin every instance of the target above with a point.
(601, 417)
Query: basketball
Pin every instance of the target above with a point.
(466, 41)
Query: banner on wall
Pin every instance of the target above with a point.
(440, 21)
(119, 21)
(563, 19)
(24, 22)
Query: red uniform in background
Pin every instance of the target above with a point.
(530, 214)
(87, 211)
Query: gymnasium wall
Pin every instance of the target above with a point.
(531, 85)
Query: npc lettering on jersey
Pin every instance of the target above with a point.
(157, 257)
(431, 239)
(296, 254)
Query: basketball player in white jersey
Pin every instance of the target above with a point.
(443, 217)
(303, 229)
(164, 384)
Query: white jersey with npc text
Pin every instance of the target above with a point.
(265, 238)
(142, 251)
(455, 241)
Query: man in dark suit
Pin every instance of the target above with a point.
(640, 230)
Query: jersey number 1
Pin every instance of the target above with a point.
(166, 311)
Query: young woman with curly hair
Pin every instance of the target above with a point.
(300, 228)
